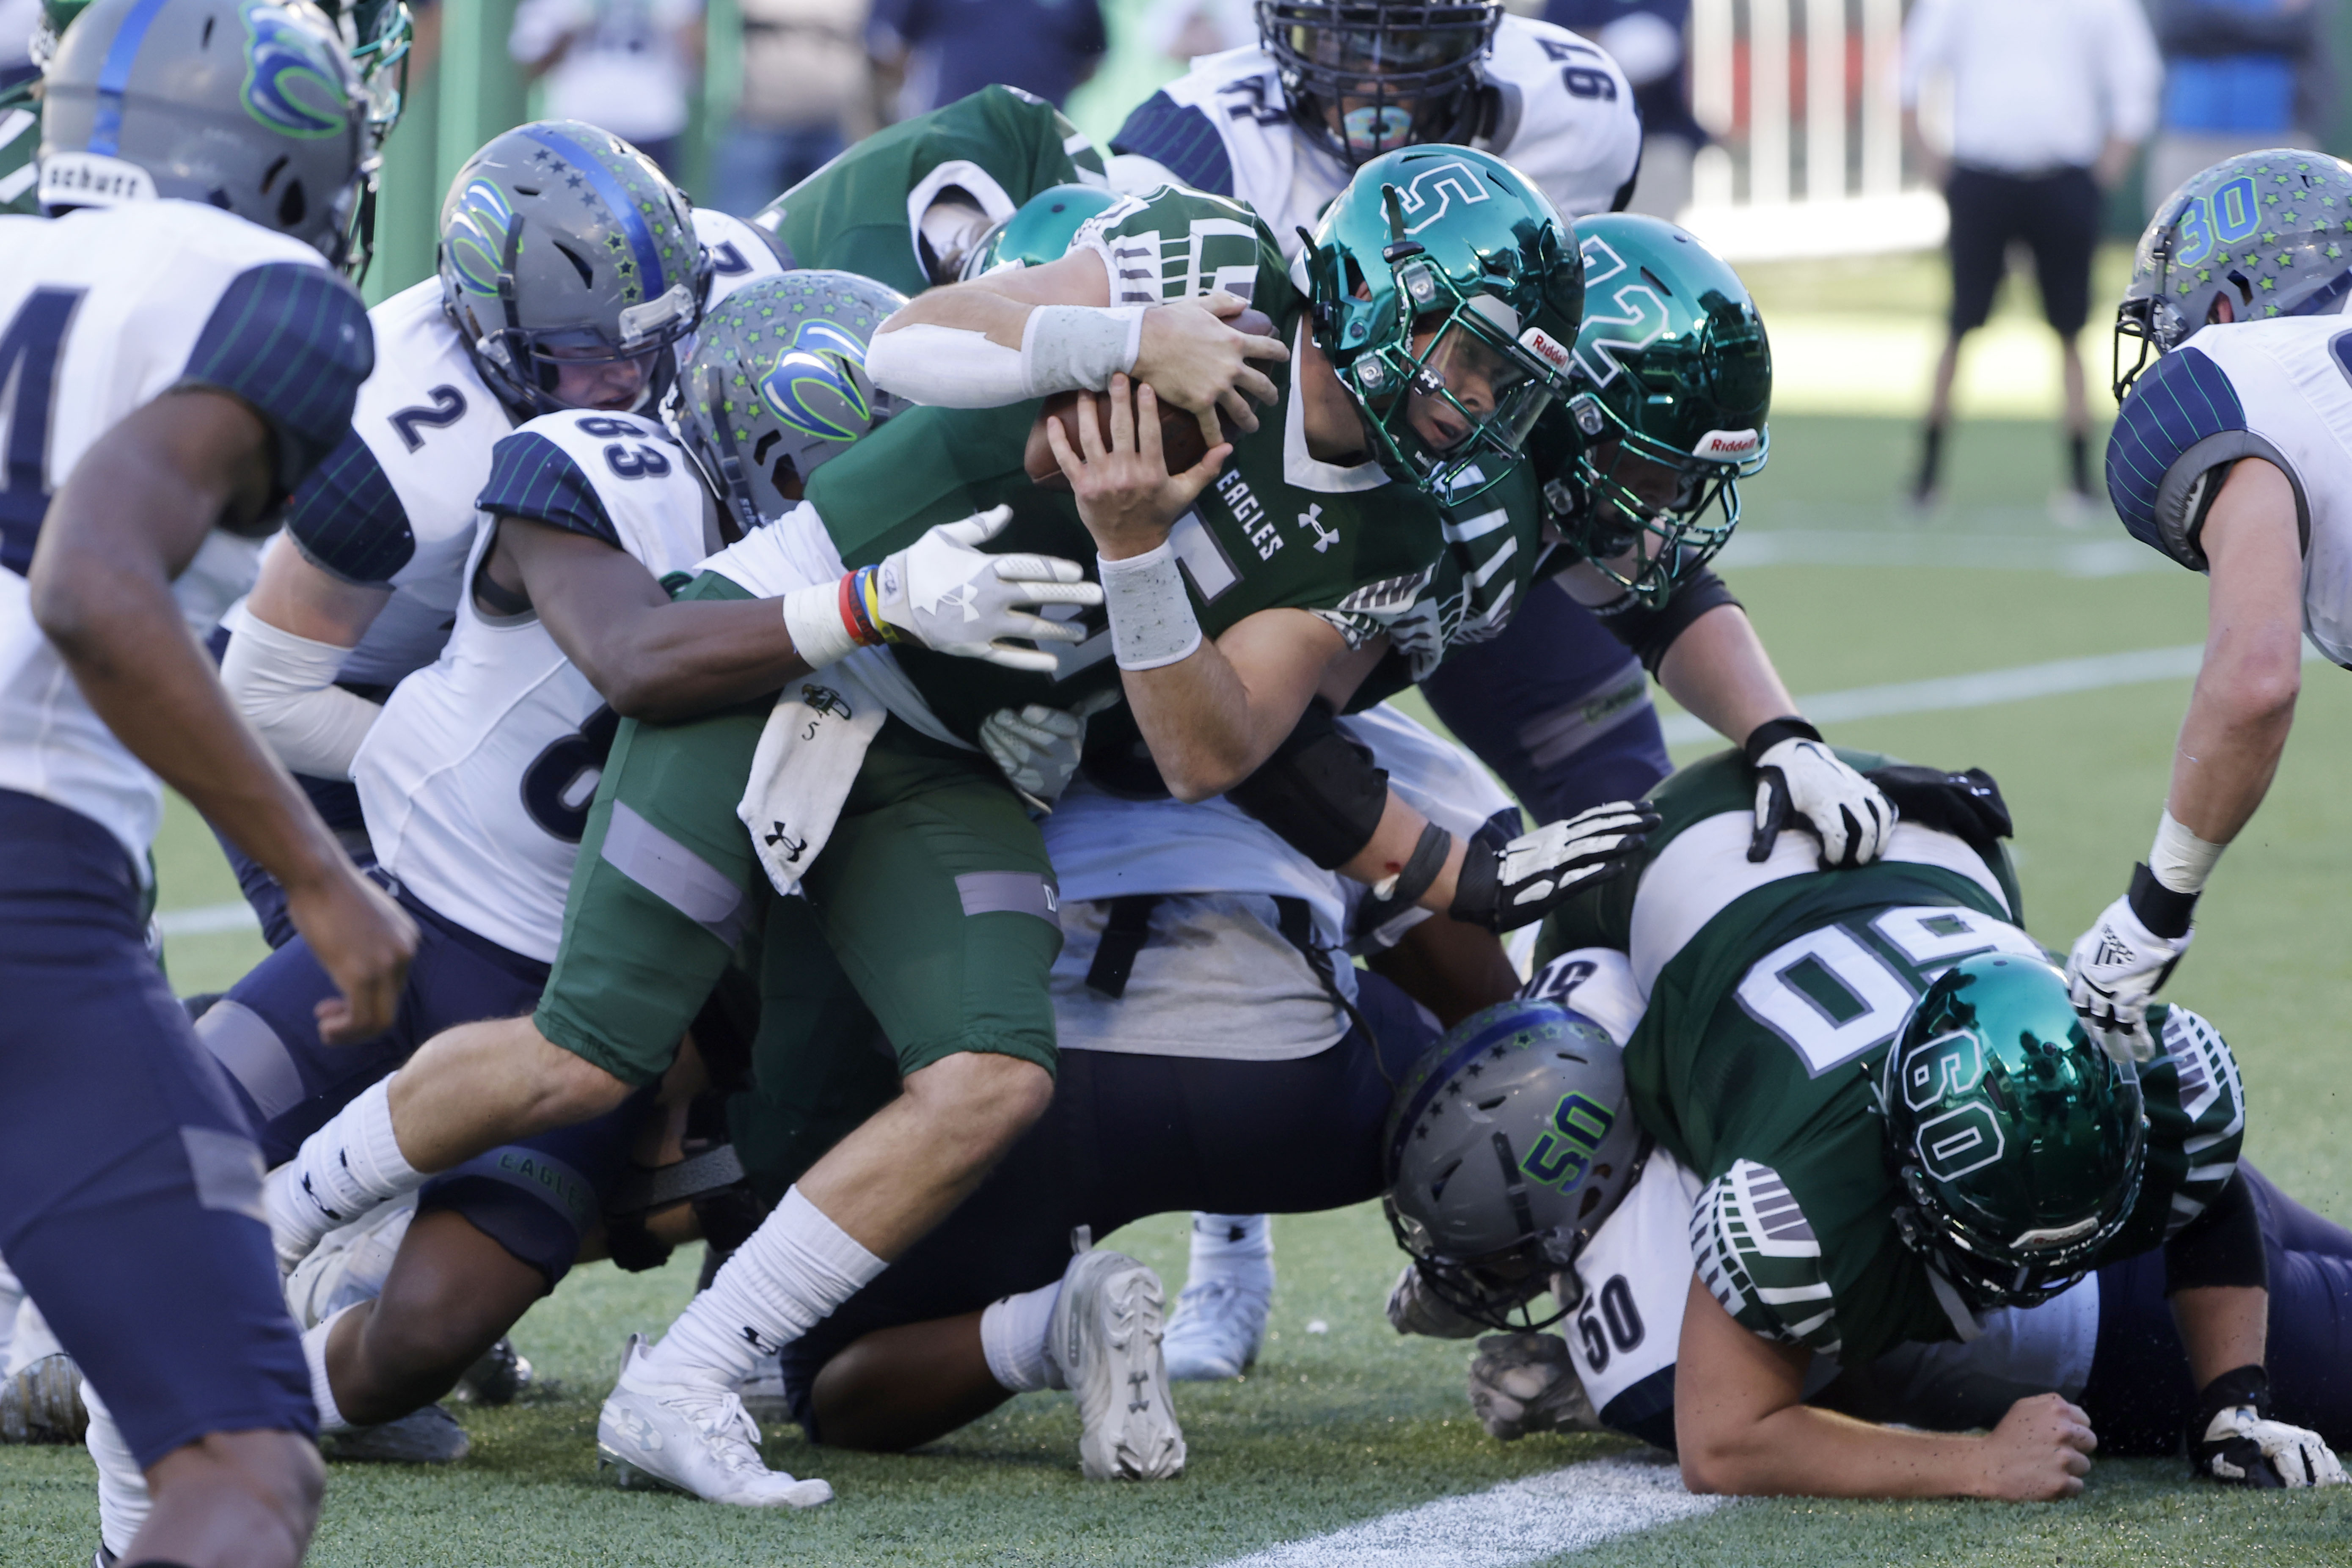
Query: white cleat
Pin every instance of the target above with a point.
(350, 1264)
(691, 1438)
(1218, 1324)
(1104, 1337)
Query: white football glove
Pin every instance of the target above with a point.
(2238, 1445)
(1801, 780)
(1529, 877)
(2114, 968)
(1523, 1383)
(942, 592)
(1414, 1308)
(1039, 747)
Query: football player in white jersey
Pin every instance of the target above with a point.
(364, 586)
(1283, 125)
(186, 333)
(2231, 454)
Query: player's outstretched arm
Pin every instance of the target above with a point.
(1742, 1428)
(1032, 331)
(2230, 741)
(127, 522)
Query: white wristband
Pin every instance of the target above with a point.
(1152, 623)
(813, 616)
(1078, 348)
(2180, 859)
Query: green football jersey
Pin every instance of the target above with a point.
(1774, 992)
(857, 213)
(1278, 529)
(1493, 559)
(20, 139)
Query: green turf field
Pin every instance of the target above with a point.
(1349, 1423)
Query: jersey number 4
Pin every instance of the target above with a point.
(30, 350)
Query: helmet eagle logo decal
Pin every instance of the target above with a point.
(818, 362)
(289, 86)
(477, 236)
(1441, 184)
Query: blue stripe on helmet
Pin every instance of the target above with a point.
(633, 222)
(114, 75)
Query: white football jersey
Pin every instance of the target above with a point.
(477, 780)
(741, 252)
(2278, 389)
(395, 505)
(1566, 120)
(101, 311)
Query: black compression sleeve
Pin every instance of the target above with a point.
(1650, 632)
(1320, 791)
(2221, 1247)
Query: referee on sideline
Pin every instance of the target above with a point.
(2050, 98)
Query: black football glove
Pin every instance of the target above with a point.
(2237, 1443)
(1504, 887)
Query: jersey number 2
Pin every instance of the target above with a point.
(29, 351)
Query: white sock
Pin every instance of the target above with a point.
(1239, 1247)
(322, 1394)
(11, 1292)
(122, 1500)
(342, 1171)
(1012, 1334)
(795, 1271)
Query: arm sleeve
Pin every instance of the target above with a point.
(292, 342)
(347, 519)
(1320, 792)
(2221, 1247)
(1650, 632)
(534, 478)
(1181, 139)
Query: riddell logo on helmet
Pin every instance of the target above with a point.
(1729, 444)
(1546, 347)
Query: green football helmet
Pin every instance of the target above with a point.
(2269, 230)
(1669, 392)
(1447, 292)
(1039, 229)
(55, 17)
(2019, 1142)
(775, 385)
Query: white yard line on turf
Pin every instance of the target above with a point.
(2057, 678)
(1524, 1521)
(208, 920)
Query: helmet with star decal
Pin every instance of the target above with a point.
(2260, 235)
(569, 264)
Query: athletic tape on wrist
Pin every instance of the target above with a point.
(2180, 859)
(819, 631)
(1078, 348)
(1152, 623)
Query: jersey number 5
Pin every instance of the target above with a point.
(29, 351)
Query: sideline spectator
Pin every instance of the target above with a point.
(625, 66)
(941, 50)
(1183, 30)
(2050, 98)
(808, 92)
(2239, 76)
(1647, 39)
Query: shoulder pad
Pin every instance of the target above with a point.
(1177, 244)
(1758, 1255)
(347, 519)
(741, 252)
(2197, 1104)
(1181, 140)
(2180, 421)
(292, 341)
(621, 478)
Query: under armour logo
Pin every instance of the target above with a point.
(963, 596)
(793, 848)
(1323, 537)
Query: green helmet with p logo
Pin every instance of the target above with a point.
(2019, 1142)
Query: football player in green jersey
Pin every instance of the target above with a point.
(910, 205)
(1894, 1129)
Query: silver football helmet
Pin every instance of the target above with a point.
(1508, 1144)
(247, 105)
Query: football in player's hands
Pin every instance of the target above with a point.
(1181, 441)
